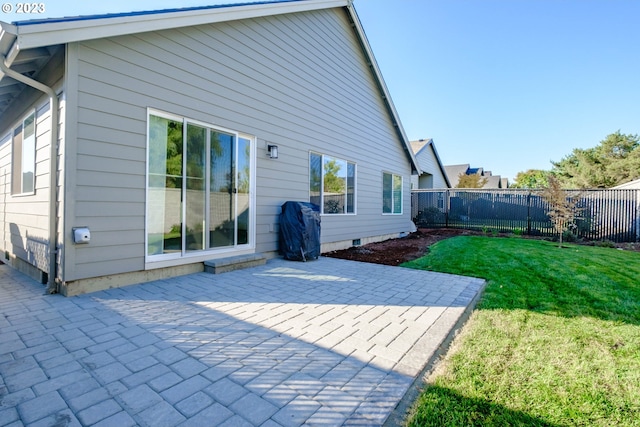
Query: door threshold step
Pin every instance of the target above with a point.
(236, 262)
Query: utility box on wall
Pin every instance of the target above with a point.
(81, 235)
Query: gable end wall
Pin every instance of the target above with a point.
(299, 81)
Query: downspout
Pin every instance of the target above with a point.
(53, 172)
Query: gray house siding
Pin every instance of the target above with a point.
(299, 81)
(432, 176)
(25, 219)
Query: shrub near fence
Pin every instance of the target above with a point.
(602, 214)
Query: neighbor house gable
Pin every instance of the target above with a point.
(430, 165)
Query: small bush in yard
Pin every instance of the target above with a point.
(562, 208)
(605, 244)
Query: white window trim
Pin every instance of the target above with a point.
(184, 257)
(393, 175)
(355, 184)
(33, 113)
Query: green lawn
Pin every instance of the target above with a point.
(554, 341)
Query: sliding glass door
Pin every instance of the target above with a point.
(244, 194)
(199, 188)
(222, 227)
(195, 188)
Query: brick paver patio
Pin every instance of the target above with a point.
(328, 342)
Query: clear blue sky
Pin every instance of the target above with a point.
(507, 85)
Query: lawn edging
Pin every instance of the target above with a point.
(398, 416)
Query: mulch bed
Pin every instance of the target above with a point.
(397, 251)
(416, 245)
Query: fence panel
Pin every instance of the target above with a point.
(602, 214)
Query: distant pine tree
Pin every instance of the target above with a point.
(614, 161)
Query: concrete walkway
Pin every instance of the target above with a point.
(328, 342)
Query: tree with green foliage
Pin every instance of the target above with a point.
(333, 182)
(614, 161)
(562, 208)
(165, 159)
(532, 178)
(471, 181)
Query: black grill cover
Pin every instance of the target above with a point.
(300, 231)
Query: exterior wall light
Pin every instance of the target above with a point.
(272, 150)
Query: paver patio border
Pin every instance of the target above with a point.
(399, 415)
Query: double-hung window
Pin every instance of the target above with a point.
(391, 193)
(23, 159)
(332, 184)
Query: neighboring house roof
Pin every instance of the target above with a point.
(454, 171)
(428, 144)
(418, 145)
(493, 181)
(26, 46)
(629, 185)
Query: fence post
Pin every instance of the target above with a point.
(637, 216)
(529, 213)
(447, 207)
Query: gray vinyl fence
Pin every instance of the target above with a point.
(602, 214)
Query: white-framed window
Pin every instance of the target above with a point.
(199, 188)
(23, 157)
(332, 184)
(391, 194)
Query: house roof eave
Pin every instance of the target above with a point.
(384, 91)
(47, 32)
(26, 41)
(8, 37)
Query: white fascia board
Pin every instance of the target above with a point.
(7, 45)
(383, 87)
(67, 31)
(8, 34)
(5, 27)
